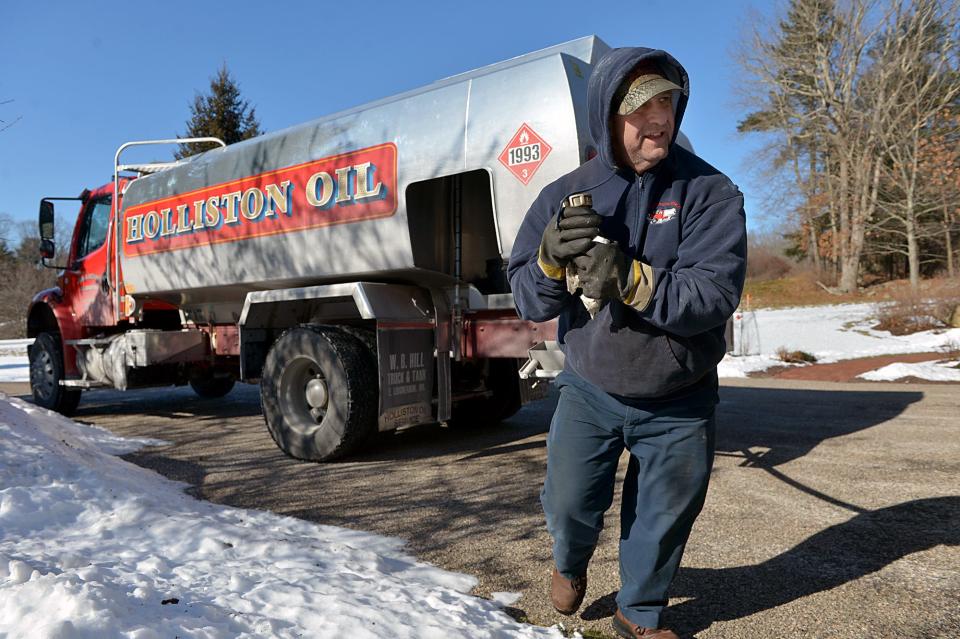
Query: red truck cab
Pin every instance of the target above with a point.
(82, 305)
(87, 289)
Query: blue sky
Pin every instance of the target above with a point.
(84, 77)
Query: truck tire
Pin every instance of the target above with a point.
(211, 387)
(319, 393)
(46, 372)
(503, 384)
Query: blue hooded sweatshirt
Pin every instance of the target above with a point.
(682, 217)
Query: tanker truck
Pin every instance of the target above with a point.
(353, 265)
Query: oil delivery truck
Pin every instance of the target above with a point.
(353, 265)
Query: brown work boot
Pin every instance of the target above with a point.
(567, 594)
(629, 630)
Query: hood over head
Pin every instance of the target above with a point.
(607, 76)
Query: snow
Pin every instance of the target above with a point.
(830, 333)
(93, 546)
(13, 360)
(15, 345)
(14, 368)
(943, 371)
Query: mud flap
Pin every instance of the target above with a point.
(405, 356)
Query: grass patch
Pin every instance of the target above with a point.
(910, 313)
(801, 289)
(794, 290)
(795, 357)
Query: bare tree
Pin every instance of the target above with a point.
(789, 108)
(21, 275)
(811, 67)
(845, 95)
(7, 123)
(912, 71)
(7, 236)
(940, 166)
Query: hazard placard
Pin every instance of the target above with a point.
(524, 154)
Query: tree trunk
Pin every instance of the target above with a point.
(913, 253)
(812, 214)
(947, 239)
(910, 226)
(814, 254)
(849, 272)
(834, 230)
(849, 260)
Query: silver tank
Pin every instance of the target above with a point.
(378, 192)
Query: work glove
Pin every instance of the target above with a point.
(567, 238)
(605, 273)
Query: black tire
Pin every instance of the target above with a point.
(368, 337)
(503, 383)
(211, 386)
(46, 372)
(318, 392)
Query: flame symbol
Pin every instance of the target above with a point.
(524, 138)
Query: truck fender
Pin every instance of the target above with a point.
(267, 313)
(48, 314)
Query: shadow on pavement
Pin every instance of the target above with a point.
(174, 402)
(841, 553)
(182, 405)
(469, 498)
(864, 544)
(789, 423)
(768, 427)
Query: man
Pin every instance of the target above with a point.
(640, 374)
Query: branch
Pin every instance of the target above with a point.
(17, 119)
(829, 289)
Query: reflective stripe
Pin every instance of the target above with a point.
(641, 291)
(553, 272)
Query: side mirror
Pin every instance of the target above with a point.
(47, 249)
(46, 220)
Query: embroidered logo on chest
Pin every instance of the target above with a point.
(664, 212)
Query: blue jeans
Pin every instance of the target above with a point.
(671, 452)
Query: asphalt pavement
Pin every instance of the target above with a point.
(833, 510)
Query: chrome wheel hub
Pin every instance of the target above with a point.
(316, 393)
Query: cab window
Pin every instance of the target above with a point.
(95, 224)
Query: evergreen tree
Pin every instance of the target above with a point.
(222, 114)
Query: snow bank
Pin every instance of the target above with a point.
(15, 346)
(93, 546)
(13, 360)
(14, 368)
(944, 371)
(830, 333)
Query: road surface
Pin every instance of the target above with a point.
(833, 511)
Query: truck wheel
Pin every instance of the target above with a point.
(46, 371)
(319, 393)
(211, 387)
(503, 383)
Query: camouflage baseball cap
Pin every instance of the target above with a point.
(629, 99)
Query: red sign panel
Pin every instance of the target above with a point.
(525, 153)
(354, 186)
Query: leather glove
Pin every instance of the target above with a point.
(571, 236)
(606, 273)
